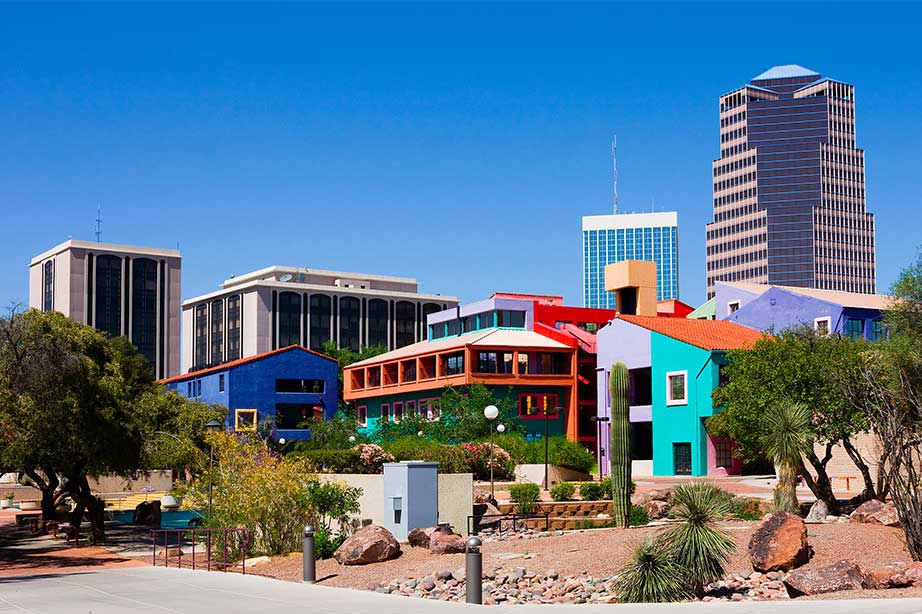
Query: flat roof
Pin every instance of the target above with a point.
(630, 220)
(104, 247)
(261, 273)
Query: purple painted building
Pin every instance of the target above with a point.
(776, 308)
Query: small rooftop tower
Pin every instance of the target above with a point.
(634, 285)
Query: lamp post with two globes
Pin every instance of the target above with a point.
(490, 412)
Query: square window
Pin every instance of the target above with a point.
(677, 388)
(822, 325)
(733, 307)
(362, 415)
(245, 420)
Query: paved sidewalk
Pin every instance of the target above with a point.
(155, 590)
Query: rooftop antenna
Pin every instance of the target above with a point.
(98, 224)
(614, 171)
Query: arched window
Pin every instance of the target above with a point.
(350, 312)
(48, 286)
(109, 294)
(320, 321)
(289, 319)
(144, 307)
(377, 323)
(233, 327)
(217, 331)
(405, 322)
(201, 337)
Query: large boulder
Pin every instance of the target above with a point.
(371, 544)
(483, 496)
(876, 512)
(817, 513)
(419, 538)
(842, 576)
(893, 575)
(656, 509)
(779, 543)
(445, 541)
(147, 513)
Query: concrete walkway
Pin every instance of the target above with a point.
(148, 590)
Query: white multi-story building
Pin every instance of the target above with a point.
(122, 290)
(280, 306)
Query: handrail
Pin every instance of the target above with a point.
(191, 537)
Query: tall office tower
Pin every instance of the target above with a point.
(789, 199)
(275, 307)
(629, 236)
(122, 290)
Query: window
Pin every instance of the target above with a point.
(681, 458)
(374, 377)
(408, 370)
(289, 317)
(641, 388)
(350, 312)
(377, 323)
(189, 389)
(470, 323)
(854, 328)
(677, 388)
(485, 320)
(221, 383)
(217, 332)
(320, 308)
(453, 328)
(201, 336)
(428, 408)
(314, 386)
(385, 412)
(510, 319)
(822, 325)
(523, 363)
(723, 452)
(733, 307)
(405, 323)
(411, 408)
(245, 420)
(437, 331)
(296, 415)
(198, 388)
(454, 364)
(48, 286)
(233, 327)
(144, 307)
(398, 412)
(877, 330)
(362, 415)
(494, 362)
(537, 405)
(109, 295)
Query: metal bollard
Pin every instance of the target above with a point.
(310, 562)
(473, 571)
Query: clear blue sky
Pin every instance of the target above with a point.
(458, 144)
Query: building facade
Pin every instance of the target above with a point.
(789, 187)
(279, 306)
(777, 308)
(674, 366)
(122, 290)
(608, 239)
(288, 388)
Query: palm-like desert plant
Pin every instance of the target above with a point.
(698, 545)
(789, 435)
(652, 576)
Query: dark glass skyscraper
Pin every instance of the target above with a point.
(789, 197)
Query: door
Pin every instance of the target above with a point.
(681, 458)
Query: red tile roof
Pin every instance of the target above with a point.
(241, 361)
(705, 334)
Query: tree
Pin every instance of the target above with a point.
(788, 438)
(796, 366)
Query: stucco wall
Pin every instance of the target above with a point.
(778, 309)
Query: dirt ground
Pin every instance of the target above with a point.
(602, 552)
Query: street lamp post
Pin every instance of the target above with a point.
(490, 412)
(547, 423)
(213, 426)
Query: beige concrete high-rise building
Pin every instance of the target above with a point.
(122, 290)
(789, 187)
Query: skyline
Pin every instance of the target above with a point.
(224, 132)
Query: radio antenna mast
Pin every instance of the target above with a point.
(614, 171)
(98, 224)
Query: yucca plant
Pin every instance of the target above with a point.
(698, 545)
(788, 437)
(652, 576)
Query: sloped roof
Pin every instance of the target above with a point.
(705, 334)
(502, 337)
(786, 71)
(846, 299)
(241, 361)
(705, 311)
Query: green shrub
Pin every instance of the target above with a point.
(746, 508)
(570, 454)
(526, 496)
(563, 491)
(326, 543)
(605, 483)
(331, 461)
(652, 576)
(330, 502)
(591, 491)
(638, 517)
(451, 459)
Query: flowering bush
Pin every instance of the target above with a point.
(478, 458)
(373, 457)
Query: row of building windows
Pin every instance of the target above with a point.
(500, 318)
(732, 119)
(735, 197)
(226, 322)
(732, 135)
(733, 182)
(737, 243)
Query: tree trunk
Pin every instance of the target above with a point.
(48, 487)
(94, 508)
(786, 496)
(821, 486)
(870, 490)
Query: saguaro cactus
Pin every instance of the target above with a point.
(619, 447)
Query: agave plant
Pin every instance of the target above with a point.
(652, 576)
(788, 436)
(698, 545)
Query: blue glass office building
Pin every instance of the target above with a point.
(629, 236)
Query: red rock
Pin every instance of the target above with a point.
(779, 543)
(444, 541)
(876, 512)
(841, 576)
(656, 509)
(419, 538)
(371, 544)
(893, 575)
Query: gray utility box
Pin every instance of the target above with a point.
(411, 496)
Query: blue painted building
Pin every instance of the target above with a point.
(776, 308)
(288, 387)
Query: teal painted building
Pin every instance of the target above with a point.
(675, 365)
